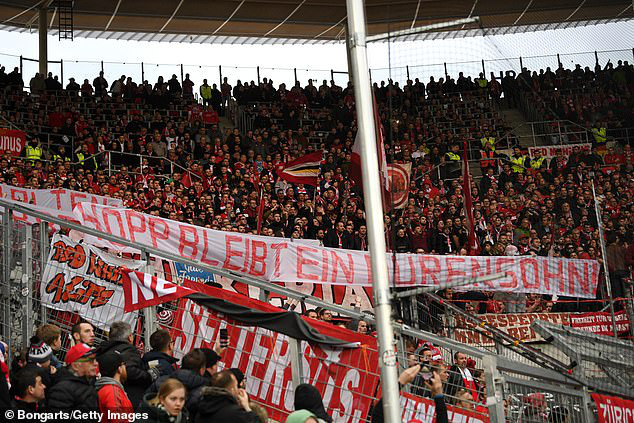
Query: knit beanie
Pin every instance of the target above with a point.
(39, 352)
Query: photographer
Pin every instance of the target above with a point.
(434, 384)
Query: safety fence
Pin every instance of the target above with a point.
(50, 278)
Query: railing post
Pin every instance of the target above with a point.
(296, 361)
(484, 72)
(295, 74)
(7, 220)
(142, 73)
(61, 71)
(102, 65)
(21, 66)
(220, 74)
(332, 74)
(558, 60)
(596, 57)
(44, 244)
(258, 70)
(495, 389)
(182, 74)
(446, 73)
(521, 64)
(407, 70)
(27, 284)
(149, 313)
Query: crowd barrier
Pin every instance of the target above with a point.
(49, 278)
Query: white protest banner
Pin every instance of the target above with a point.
(424, 410)
(50, 200)
(280, 260)
(550, 151)
(82, 279)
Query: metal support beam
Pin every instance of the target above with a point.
(258, 70)
(42, 32)
(495, 390)
(372, 188)
(7, 220)
(149, 313)
(295, 349)
(142, 72)
(419, 29)
(27, 285)
(44, 246)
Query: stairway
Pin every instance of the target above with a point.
(521, 129)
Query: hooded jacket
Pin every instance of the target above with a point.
(165, 363)
(307, 397)
(192, 381)
(72, 392)
(158, 415)
(138, 377)
(218, 405)
(112, 397)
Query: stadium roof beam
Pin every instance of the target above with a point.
(419, 29)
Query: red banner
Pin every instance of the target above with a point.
(346, 378)
(424, 409)
(600, 323)
(614, 409)
(12, 141)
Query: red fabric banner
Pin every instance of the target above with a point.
(424, 409)
(12, 141)
(346, 378)
(600, 323)
(614, 409)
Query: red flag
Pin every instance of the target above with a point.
(303, 170)
(468, 204)
(355, 167)
(143, 290)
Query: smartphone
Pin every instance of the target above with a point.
(426, 373)
(224, 337)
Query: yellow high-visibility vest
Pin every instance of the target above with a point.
(205, 91)
(488, 140)
(600, 135)
(518, 164)
(453, 156)
(33, 153)
(536, 164)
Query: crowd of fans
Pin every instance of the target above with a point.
(90, 140)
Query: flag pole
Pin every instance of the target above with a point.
(608, 282)
(372, 189)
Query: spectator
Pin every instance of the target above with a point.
(52, 336)
(39, 357)
(75, 388)
(168, 405)
(190, 375)
(139, 378)
(112, 396)
(223, 401)
(301, 416)
(84, 333)
(162, 354)
(211, 362)
(307, 397)
(29, 390)
(460, 377)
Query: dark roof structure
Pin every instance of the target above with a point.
(304, 21)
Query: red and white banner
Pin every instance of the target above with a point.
(345, 377)
(516, 325)
(83, 279)
(399, 183)
(281, 260)
(614, 409)
(424, 409)
(600, 323)
(144, 290)
(58, 202)
(550, 151)
(12, 141)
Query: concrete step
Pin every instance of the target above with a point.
(521, 130)
(225, 122)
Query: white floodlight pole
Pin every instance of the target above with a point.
(374, 208)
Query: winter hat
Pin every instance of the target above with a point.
(299, 416)
(211, 357)
(238, 375)
(39, 352)
(307, 397)
(109, 363)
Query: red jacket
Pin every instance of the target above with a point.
(112, 398)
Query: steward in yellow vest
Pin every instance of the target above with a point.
(517, 161)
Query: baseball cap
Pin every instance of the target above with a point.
(78, 351)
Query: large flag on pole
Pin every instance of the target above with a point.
(399, 183)
(472, 243)
(303, 170)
